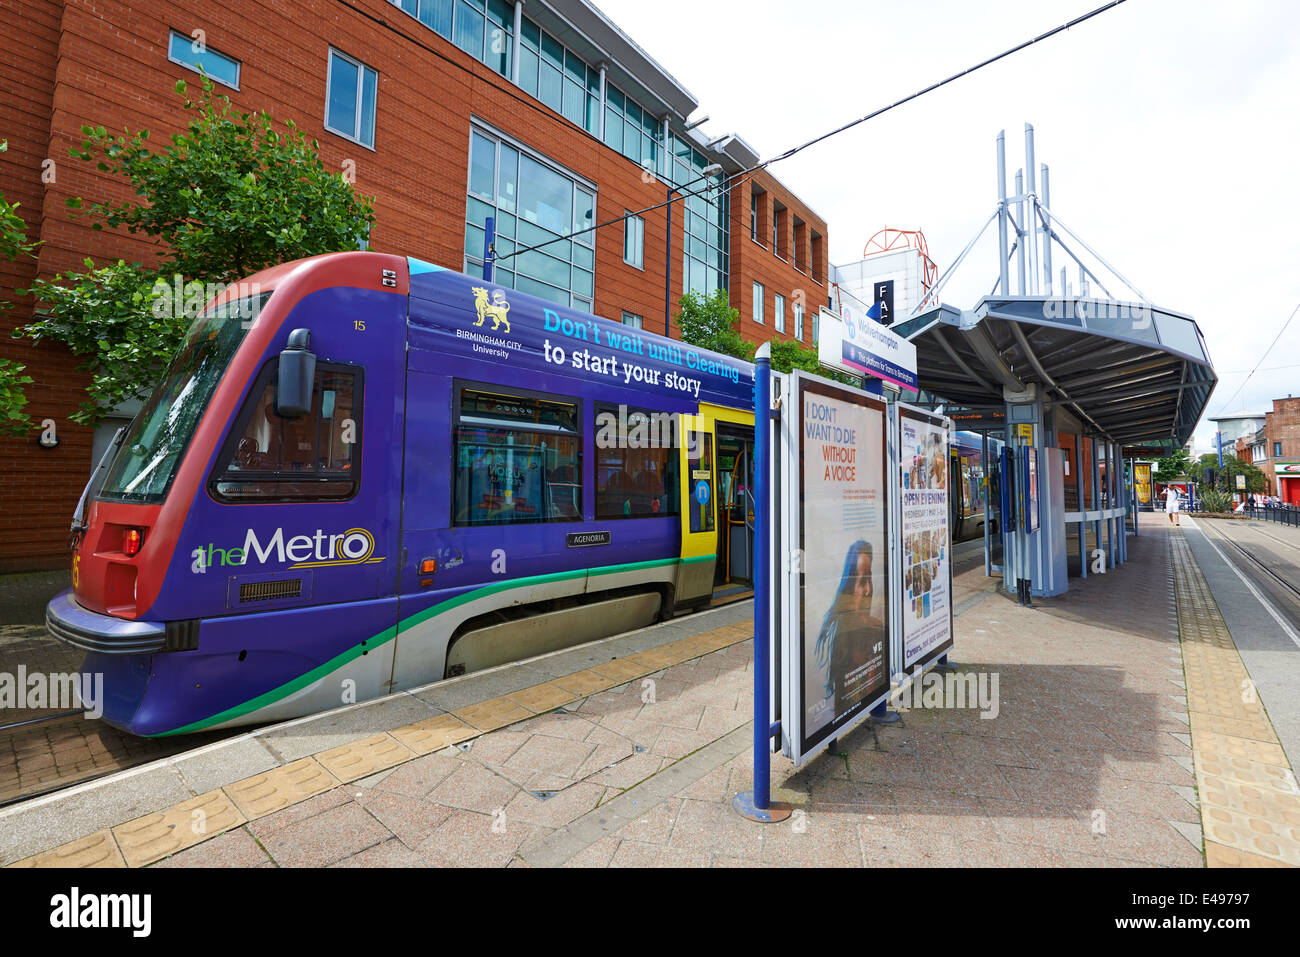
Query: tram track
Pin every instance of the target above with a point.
(1262, 568)
(34, 746)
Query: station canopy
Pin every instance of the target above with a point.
(1132, 372)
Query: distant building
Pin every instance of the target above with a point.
(1280, 461)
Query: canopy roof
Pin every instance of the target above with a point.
(1130, 371)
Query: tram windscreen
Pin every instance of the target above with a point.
(151, 453)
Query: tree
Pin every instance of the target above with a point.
(709, 322)
(227, 197)
(230, 195)
(1173, 466)
(13, 243)
(1208, 472)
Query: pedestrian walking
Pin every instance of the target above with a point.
(1172, 504)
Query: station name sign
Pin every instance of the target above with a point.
(854, 343)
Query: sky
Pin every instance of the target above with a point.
(1171, 129)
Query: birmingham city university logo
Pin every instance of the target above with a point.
(496, 308)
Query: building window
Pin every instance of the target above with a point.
(814, 326)
(533, 203)
(558, 77)
(631, 130)
(778, 310)
(634, 241)
(350, 100)
(705, 220)
(632, 320)
(798, 321)
(194, 55)
(758, 302)
(1277, 448)
(753, 216)
(483, 30)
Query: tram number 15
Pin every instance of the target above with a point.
(359, 325)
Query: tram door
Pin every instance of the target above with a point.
(735, 505)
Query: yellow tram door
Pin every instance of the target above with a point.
(699, 498)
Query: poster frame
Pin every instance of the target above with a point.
(924, 415)
(797, 746)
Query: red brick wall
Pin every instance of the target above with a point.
(754, 261)
(104, 62)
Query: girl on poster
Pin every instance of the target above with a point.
(849, 636)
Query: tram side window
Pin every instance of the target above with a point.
(636, 463)
(315, 456)
(699, 457)
(517, 459)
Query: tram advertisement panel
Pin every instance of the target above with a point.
(927, 543)
(840, 585)
(1142, 479)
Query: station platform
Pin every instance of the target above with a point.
(628, 751)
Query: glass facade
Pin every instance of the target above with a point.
(484, 30)
(532, 203)
(706, 220)
(558, 77)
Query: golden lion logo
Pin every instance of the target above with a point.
(497, 309)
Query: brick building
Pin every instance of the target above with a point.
(1276, 449)
(543, 115)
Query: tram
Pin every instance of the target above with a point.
(363, 473)
(972, 486)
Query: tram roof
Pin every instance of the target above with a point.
(1130, 371)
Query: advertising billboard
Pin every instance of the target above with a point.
(1142, 479)
(924, 498)
(837, 591)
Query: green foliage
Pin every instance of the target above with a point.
(227, 197)
(13, 243)
(788, 355)
(1207, 471)
(106, 317)
(1214, 500)
(1173, 467)
(13, 231)
(13, 420)
(709, 322)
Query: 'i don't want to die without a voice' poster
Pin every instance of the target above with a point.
(845, 561)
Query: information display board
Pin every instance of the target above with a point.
(924, 496)
(836, 586)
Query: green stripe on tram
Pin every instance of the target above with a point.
(388, 634)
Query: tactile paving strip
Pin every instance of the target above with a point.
(1250, 802)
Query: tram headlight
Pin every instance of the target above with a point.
(132, 541)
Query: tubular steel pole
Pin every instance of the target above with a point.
(1004, 274)
(757, 804)
(762, 568)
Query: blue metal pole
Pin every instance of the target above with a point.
(1218, 440)
(762, 567)
(489, 238)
